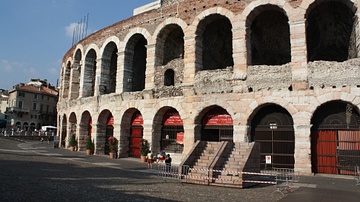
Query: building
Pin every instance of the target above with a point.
(280, 78)
(32, 105)
(4, 96)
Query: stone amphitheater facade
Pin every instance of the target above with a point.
(269, 71)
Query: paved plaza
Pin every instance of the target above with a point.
(31, 171)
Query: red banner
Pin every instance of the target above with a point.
(217, 117)
(137, 120)
(172, 118)
(180, 137)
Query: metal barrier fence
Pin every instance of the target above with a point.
(172, 172)
(357, 175)
(282, 178)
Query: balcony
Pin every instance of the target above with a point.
(17, 109)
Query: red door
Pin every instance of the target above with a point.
(324, 152)
(136, 135)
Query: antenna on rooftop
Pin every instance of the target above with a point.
(80, 30)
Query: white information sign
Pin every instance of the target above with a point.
(268, 159)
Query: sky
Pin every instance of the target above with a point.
(35, 34)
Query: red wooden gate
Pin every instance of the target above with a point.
(136, 135)
(335, 151)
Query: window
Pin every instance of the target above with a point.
(36, 96)
(21, 94)
(34, 106)
(169, 77)
(20, 104)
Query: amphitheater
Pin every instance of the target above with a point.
(252, 85)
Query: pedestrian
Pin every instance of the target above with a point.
(42, 140)
(168, 163)
(149, 159)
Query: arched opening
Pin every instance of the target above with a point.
(272, 128)
(75, 76)
(109, 69)
(85, 129)
(169, 77)
(335, 138)
(268, 36)
(217, 125)
(66, 80)
(215, 42)
(330, 27)
(135, 64)
(72, 126)
(172, 132)
(136, 134)
(109, 132)
(89, 74)
(63, 131)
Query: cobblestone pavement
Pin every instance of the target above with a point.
(31, 171)
(30, 174)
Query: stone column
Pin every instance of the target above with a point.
(150, 67)
(239, 55)
(99, 141)
(120, 72)
(189, 137)
(298, 55)
(302, 153)
(98, 77)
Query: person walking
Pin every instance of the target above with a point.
(168, 164)
(149, 159)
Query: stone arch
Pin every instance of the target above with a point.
(75, 74)
(131, 133)
(105, 129)
(335, 138)
(135, 63)
(63, 130)
(325, 20)
(271, 126)
(168, 130)
(72, 127)
(109, 61)
(85, 129)
(272, 48)
(214, 43)
(66, 71)
(214, 123)
(89, 74)
(169, 42)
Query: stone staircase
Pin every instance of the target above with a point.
(221, 163)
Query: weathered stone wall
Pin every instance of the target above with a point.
(334, 74)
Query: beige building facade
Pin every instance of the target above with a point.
(283, 74)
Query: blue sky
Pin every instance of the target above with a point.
(35, 34)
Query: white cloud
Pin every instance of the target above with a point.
(30, 70)
(9, 66)
(53, 71)
(76, 29)
(70, 29)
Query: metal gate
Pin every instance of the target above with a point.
(278, 145)
(335, 151)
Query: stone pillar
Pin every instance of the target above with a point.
(150, 67)
(240, 133)
(120, 72)
(98, 77)
(189, 137)
(298, 55)
(99, 141)
(239, 55)
(190, 60)
(302, 153)
(75, 81)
